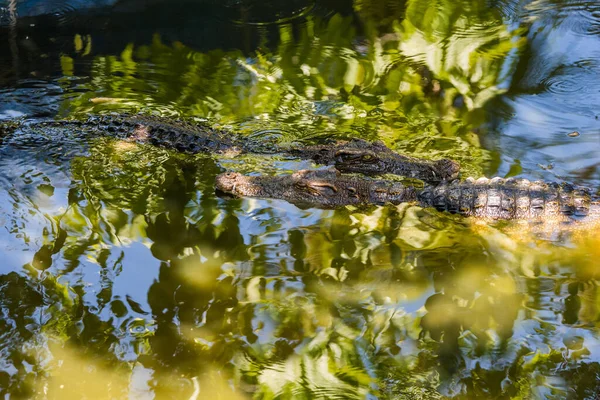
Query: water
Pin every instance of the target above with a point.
(124, 276)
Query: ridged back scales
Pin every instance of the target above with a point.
(177, 135)
(172, 134)
(499, 198)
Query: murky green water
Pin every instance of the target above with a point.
(124, 276)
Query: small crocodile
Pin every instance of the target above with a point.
(495, 198)
(356, 155)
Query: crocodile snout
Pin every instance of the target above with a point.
(226, 182)
(447, 169)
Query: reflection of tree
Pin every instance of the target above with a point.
(397, 302)
(112, 189)
(19, 302)
(405, 84)
(354, 282)
(190, 293)
(476, 45)
(36, 313)
(393, 302)
(189, 288)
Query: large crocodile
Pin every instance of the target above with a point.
(495, 198)
(355, 155)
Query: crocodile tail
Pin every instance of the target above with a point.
(10, 127)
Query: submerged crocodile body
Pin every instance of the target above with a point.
(356, 155)
(483, 198)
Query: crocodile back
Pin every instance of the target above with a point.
(172, 134)
(499, 198)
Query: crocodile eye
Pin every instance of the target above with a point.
(367, 157)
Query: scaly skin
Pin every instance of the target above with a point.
(521, 199)
(483, 198)
(375, 158)
(320, 188)
(157, 131)
(351, 156)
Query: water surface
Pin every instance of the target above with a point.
(124, 276)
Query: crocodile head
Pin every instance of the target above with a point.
(236, 184)
(304, 188)
(380, 160)
(320, 188)
(447, 169)
(360, 160)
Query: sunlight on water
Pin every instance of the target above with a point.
(124, 275)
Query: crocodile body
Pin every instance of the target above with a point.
(168, 133)
(521, 199)
(483, 198)
(347, 156)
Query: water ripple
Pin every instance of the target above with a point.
(579, 17)
(564, 85)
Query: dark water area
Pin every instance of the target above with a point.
(123, 274)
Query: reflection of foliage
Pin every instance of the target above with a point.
(380, 15)
(19, 302)
(392, 302)
(395, 302)
(463, 43)
(401, 85)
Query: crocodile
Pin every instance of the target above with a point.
(325, 188)
(355, 155)
(375, 158)
(496, 198)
